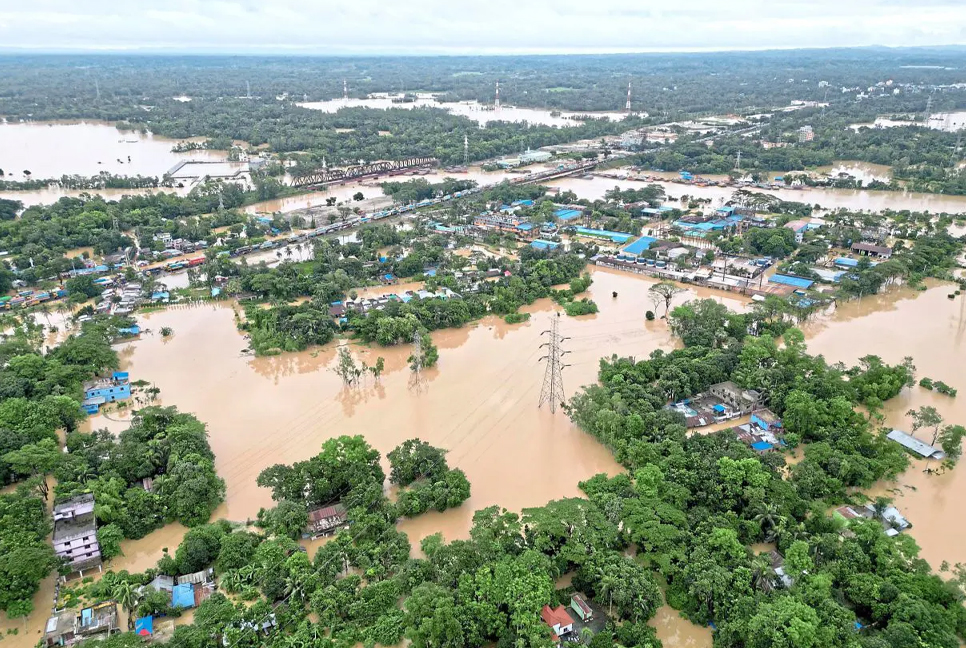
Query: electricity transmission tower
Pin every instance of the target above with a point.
(417, 365)
(553, 391)
(466, 150)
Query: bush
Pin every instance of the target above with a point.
(582, 307)
(926, 383)
(516, 318)
(649, 316)
(943, 388)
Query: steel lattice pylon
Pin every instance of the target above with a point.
(553, 391)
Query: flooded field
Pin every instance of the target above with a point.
(476, 111)
(595, 187)
(52, 149)
(949, 122)
(864, 171)
(931, 329)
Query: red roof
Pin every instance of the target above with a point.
(555, 616)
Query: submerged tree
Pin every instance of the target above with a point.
(664, 293)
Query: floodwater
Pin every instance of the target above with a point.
(370, 189)
(594, 188)
(949, 122)
(675, 631)
(931, 328)
(52, 194)
(864, 171)
(476, 111)
(479, 403)
(53, 149)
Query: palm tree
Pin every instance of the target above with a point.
(762, 573)
(127, 596)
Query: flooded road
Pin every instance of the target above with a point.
(853, 199)
(931, 329)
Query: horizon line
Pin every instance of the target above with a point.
(299, 51)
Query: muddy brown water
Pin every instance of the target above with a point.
(52, 149)
(931, 328)
(480, 404)
(595, 187)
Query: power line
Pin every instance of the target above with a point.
(553, 391)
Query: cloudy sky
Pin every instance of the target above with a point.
(473, 26)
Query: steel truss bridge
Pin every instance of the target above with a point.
(329, 176)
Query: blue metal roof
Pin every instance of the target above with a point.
(567, 214)
(787, 280)
(640, 245)
(183, 596)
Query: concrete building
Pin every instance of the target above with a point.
(559, 621)
(75, 534)
(805, 134)
(766, 420)
(532, 157)
(106, 390)
(741, 400)
(799, 227)
(67, 628)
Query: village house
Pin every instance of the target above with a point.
(766, 419)
(914, 445)
(75, 534)
(893, 522)
(741, 400)
(559, 621)
(67, 628)
(799, 227)
(325, 521)
(106, 390)
(868, 249)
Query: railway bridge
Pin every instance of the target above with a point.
(325, 176)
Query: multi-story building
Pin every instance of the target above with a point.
(75, 534)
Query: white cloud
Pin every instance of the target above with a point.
(477, 26)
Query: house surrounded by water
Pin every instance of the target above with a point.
(106, 390)
(915, 446)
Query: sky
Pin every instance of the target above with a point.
(473, 26)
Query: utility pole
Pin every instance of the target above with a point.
(553, 391)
